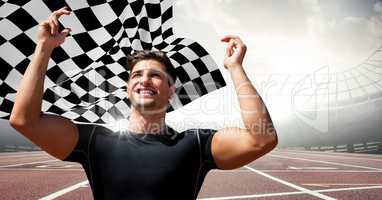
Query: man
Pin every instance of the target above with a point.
(150, 160)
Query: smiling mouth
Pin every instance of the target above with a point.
(146, 92)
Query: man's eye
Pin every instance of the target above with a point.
(135, 75)
(155, 75)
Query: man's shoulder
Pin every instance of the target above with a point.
(90, 128)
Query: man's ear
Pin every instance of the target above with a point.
(127, 87)
(172, 90)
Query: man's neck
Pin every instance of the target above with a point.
(147, 123)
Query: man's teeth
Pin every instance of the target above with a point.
(146, 92)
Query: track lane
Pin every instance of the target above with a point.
(348, 181)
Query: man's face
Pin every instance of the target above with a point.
(148, 87)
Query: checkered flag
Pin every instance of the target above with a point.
(85, 80)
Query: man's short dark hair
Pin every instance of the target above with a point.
(159, 56)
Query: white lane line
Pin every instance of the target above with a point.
(321, 171)
(21, 156)
(230, 171)
(326, 162)
(312, 168)
(299, 171)
(289, 193)
(353, 155)
(353, 188)
(341, 184)
(332, 156)
(64, 191)
(252, 196)
(55, 167)
(21, 152)
(316, 194)
(30, 163)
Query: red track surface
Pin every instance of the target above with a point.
(280, 175)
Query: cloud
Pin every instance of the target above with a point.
(312, 5)
(378, 7)
(375, 26)
(347, 30)
(352, 19)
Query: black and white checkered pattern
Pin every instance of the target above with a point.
(86, 75)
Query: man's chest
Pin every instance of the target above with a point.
(126, 163)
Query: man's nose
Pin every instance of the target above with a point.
(145, 80)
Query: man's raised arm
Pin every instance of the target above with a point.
(235, 147)
(54, 134)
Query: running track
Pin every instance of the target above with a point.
(282, 174)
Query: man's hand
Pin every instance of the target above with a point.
(235, 51)
(48, 30)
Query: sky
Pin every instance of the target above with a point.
(285, 38)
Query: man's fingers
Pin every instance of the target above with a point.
(237, 42)
(53, 19)
(235, 46)
(44, 23)
(65, 32)
(62, 11)
(227, 38)
(229, 50)
(53, 27)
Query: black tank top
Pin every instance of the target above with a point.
(125, 165)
